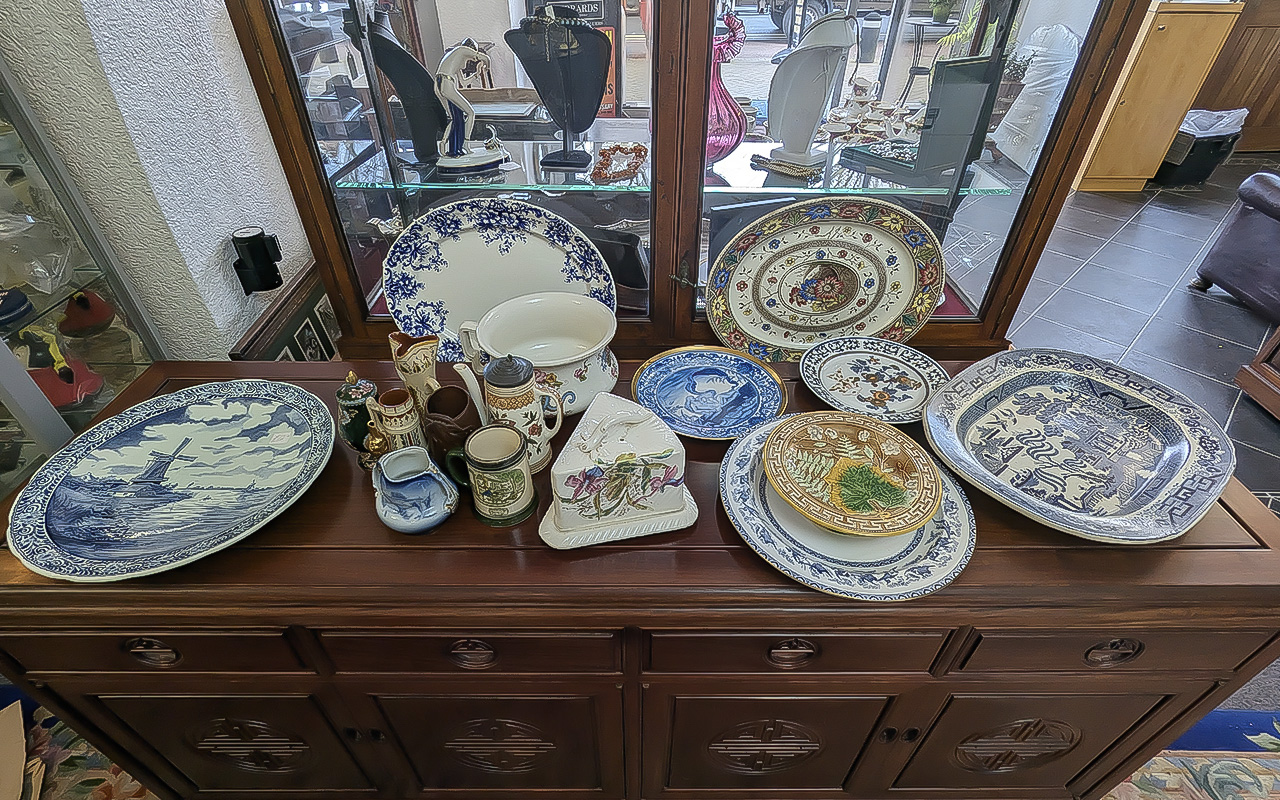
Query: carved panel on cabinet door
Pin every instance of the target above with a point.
(250, 745)
(1020, 741)
(1017, 745)
(516, 742)
(245, 743)
(499, 745)
(754, 743)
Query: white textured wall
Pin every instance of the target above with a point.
(152, 109)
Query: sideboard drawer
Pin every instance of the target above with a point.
(151, 651)
(774, 652)
(1105, 650)
(476, 651)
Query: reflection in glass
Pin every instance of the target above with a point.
(471, 98)
(945, 117)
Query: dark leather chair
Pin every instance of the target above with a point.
(1245, 260)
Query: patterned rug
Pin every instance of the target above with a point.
(1203, 775)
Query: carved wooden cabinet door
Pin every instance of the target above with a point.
(251, 743)
(715, 740)
(558, 738)
(1045, 741)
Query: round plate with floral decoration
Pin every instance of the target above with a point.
(852, 474)
(823, 269)
(459, 260)
(865, 375)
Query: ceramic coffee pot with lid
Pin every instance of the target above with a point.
(511, 396)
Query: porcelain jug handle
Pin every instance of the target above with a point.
(455, 463)
(556, 400)
(470, 341)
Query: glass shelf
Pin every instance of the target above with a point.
(735, 174)
(520, 173)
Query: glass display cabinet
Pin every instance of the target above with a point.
(711, 116)
(74, 336)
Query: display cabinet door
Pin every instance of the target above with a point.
(252, 745)
(562, 738)
(755, 740)
(1018, 743)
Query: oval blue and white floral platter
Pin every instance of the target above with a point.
(877, 377)
(708, 392)
(1082, 445)
(887, 568)
(459, 260)
(171, 480)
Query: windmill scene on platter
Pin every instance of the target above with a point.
(178, 475)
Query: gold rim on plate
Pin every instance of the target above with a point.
(854, 459)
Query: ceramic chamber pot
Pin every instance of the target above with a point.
(566, 336)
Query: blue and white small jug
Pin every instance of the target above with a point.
(412, 494)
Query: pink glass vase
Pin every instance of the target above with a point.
(726, 123)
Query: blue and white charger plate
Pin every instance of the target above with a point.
(1081, 445)
(171, 480)
(877, 377)
(884, 568)
(708, 392)
(461, 259)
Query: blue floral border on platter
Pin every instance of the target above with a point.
(734, 472)
(813, 358)
(501, 224)
(1194, 489)
(30, 541)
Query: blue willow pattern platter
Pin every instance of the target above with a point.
(877, 377)
(461, 259)
(857, 567)
(171, 480)
(823, 269)
(1081, 445)
(708, 392)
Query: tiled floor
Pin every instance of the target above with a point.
(1113, 283)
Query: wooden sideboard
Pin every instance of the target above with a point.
(329, 656)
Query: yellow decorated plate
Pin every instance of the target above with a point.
(852, 474)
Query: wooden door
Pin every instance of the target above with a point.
(756, 739)
(561, 739)
(279, 745)
(1028, 743)
(1247, 73)
(1175, 50)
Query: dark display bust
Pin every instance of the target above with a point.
(568, 62)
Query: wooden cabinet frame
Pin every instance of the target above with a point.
(681, 70)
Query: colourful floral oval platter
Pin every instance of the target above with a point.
(708, 392)
(457, 261)
(881, 568)
(823, 269)
(865, 375)
(852, 474)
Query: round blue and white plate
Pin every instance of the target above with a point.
(708, 392)
(171, 480)
(877, 377)
(461, 259)
(883, 568)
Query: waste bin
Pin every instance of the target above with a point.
(1204, 140)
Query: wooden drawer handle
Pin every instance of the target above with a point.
(472, 654)
(152, 652)
(792, 653)
(1113, 653)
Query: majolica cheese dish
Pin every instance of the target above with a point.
(852, 474)
(1082, 445)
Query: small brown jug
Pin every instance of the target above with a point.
(450, 417)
